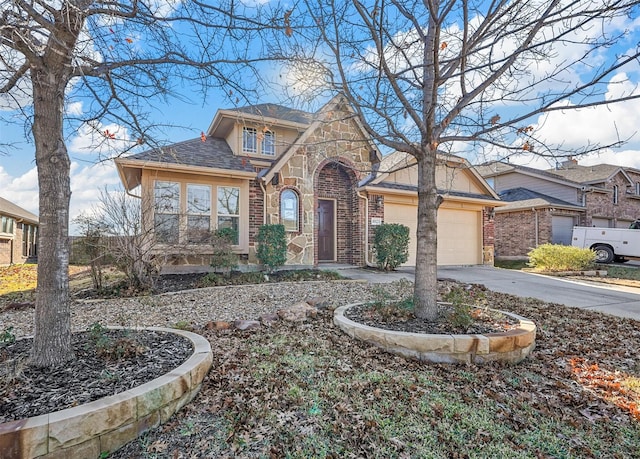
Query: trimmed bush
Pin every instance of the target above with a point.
(223, 257)
(391, 245)
(272, 246)
(556, 257)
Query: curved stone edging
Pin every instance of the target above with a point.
(510, 346)
(106, 424)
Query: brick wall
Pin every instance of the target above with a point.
(15, 245)
(256, 210)
(334, 182)
(488, 236)
(600, 205)
(515, 232)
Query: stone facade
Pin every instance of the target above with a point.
(329, 165)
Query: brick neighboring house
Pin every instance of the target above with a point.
(319, 174)
(18, 234)
(544, 205)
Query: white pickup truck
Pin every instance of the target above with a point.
(609, 244)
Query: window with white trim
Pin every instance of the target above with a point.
(6, 225)
(249, 140)
(167, 211)
(228, 209)
(615, 194)
(268, 144)
(29, 240)
(198, 213)
(637, 188)
(290, 210)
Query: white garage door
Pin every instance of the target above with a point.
(600, 222)
(459, 233)
(459, 237)
(561, 229)
(623, 223)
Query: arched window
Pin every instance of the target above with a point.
(290, 210)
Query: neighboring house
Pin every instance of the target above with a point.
(313, 172)
(18, 234)
(542, 206)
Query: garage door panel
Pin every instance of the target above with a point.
(459, 233)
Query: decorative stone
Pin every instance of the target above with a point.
(246, 324)
(297, 312)
(268, 319)
(217, 325)
(318, 302)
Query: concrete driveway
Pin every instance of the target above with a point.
(615, 300)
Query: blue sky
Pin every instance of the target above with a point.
(18, 177)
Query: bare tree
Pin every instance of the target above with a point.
(114, 57)
(430, 76)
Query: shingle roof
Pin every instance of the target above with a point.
(214, 153)
(461, 194)
(498, 168)
(12, 210)
(587, 174)
(518, 198)
(277, 111)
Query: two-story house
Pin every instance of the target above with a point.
(18, 234)
(542, 206)
(318, 174)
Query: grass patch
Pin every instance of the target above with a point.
(298, 391)
(621, 272)
(511, 264)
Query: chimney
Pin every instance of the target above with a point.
(569, 163)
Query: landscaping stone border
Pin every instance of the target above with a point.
(510, 346)
(107, 424)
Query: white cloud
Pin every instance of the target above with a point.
(101, 140)
(86, 184)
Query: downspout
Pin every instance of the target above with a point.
(366, 230)
(535, 212)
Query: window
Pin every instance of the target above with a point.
(167, 209)
(289, 210)
(229, 209)
(6, 225)
(615, 194)
(638, 188)
(268, 143)
(29, 239)
(249, 143)
(198, 213)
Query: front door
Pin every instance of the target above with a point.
(326, 230)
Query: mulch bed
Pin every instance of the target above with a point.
(111, 362)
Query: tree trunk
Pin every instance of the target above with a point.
(52, 337)
(426, 280)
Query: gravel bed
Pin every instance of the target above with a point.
(199, 306)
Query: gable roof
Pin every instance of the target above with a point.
(12, 210)
(279, 112)
(398, 160)
(195, 155)
(497, 168)
(336, 103)
(523, 198)
(590, 174)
